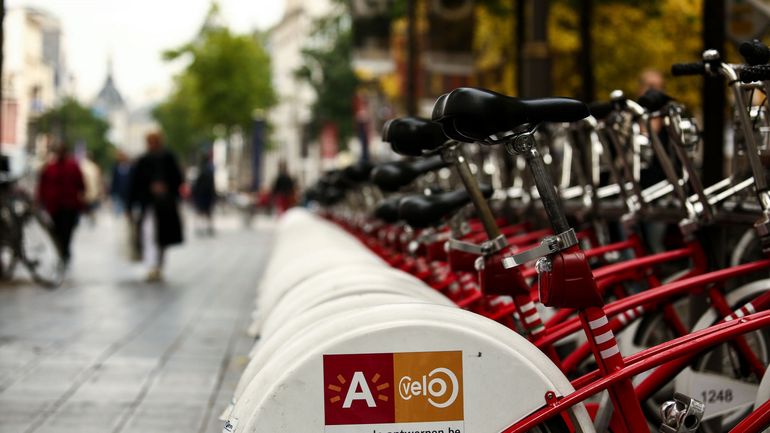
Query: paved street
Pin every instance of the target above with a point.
(110, 353)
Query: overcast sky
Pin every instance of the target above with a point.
(135, 32)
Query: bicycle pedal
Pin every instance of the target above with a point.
(682, 414)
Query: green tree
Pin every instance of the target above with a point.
(226, 79)
(327, 67)
(75, 124)
(179, 119)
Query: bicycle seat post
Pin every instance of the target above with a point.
(523, 143)
(453, 155)
(677, 129)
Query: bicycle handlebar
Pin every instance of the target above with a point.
(755, 73)
(681, 69)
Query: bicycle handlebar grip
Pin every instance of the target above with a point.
(755, 52)
(412, 136)
(755, 73)
(680, 69)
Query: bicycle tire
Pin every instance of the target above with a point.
(8, 243)
(650, 326)
(759, 341)
(553, 425)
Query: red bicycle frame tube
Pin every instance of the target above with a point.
(756, 421)
(658, 294)
(647, 360)
(665, 373)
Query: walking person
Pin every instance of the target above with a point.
(204, 194)
(61, 190)
(92, 176)
(154, 197)
(119, 182)
(283, 193)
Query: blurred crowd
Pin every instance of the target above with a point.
(146, 193)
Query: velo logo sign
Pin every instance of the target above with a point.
(393, 389)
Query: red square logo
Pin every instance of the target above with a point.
(358, 389)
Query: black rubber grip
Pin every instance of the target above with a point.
(755, 73)
(755, 52)
(679, 69)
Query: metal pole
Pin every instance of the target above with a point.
(411, 58)
(537, 65)
(586, 64)
(2, 51)
(714, 98)
(520, 21)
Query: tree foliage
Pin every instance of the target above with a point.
(226, 79)
(495, 56)
(77, 125)
(628, 37)
(327, 67)
(178, 116)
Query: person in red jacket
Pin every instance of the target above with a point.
(60, 191)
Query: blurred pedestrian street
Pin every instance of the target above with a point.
(107, 352)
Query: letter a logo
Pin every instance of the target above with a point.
(358, 381)
(358, 389)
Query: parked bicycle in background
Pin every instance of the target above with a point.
(26, 235)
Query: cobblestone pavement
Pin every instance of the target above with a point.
(109, 353)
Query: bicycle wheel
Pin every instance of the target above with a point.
(39, 251)
(9, 236)
(721, 378)
(729, 370)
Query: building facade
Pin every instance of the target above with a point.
(35, 78)
(290, 116)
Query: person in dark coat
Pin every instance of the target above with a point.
(283, 191)
(204, 193)
(60, 191)
(153, 200)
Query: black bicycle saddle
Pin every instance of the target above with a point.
(469, 114)
(421, 211)
(358, 172)
(412, 136)
(653, 100)
(391, 176)
(330, 195)
(600, 109)
(387, 210)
